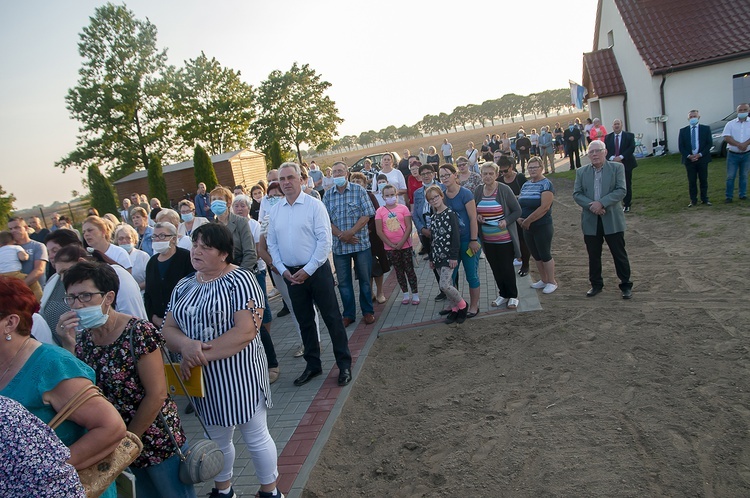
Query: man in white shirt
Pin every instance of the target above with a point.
(737, 136)
(299, 240)
(447, 150)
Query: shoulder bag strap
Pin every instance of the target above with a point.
(82, 396)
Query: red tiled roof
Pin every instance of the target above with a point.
(672, 35)
(601, 74)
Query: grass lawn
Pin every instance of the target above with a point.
(660, 186)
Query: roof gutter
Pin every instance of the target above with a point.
(692, 65)
(625, 111)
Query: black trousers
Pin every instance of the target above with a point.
(318, 289)
(697, 171)
(500, 257)
(573, 151)
(629, 186)
(616, 244)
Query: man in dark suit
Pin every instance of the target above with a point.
(598, 189)
(621, 149)
(571, 136)
(695, 146)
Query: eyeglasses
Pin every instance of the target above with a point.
(83, 297)
(162, 236)
(504, 171)
(434, 198)
(447, 175)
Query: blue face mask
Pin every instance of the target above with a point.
(188, 217)
(273, 200)
(742, 115)
(91, 317)
(339, 181)
(127, 247)
(218, 207)
(381, 186)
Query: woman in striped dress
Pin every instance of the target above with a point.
(213, 320)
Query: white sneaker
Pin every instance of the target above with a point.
(498, 302)
(538, 285)
(550, 288)
(512, 303)
(517, 262)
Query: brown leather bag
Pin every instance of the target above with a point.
(98, 477)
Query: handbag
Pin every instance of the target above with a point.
(98, 477)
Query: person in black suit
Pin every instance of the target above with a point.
(571, 136)
(695, 146)
(621, 148)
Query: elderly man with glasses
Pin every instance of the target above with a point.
(599, 189)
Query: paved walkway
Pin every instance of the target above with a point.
(302, 418)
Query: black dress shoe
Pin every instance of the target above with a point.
(283, 312)
(306, 377)
(593, 291)
(445, 312)
(627, 293)
(707, 203)
(440, 297)
(451, 318)
(345, 376)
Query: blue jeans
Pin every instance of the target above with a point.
(737, 162)
(162, 479)
(363, 267)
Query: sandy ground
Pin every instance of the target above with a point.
(590, 397)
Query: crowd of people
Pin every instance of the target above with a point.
(105, 306)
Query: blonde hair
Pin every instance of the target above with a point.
(101, 224)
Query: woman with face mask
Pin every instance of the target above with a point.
(244, 244)
(167, 267)
(189, 221)
(127, 238)
(125, 353)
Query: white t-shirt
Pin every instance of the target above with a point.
(40, 330)
(129, 299)
(255, 229)
(446, 149)
(185, 242)
(139, 259)
(9, 261)
(395, 178)
(119, 255)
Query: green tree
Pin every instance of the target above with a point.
(6, 207)
(510, 106)
(204, 168)
(274, 155)
(212, 105)
(157, 186)
(102, 194)
(367, 138)
(120, 98)
(294, 110)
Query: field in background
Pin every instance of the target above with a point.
(75, 210)
(460, 140)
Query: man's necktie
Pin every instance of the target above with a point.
(695, 138)
(617, 145)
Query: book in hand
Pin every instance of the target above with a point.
(194, 385)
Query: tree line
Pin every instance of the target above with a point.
(507, 107)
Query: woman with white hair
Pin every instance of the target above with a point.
(189, 221)
(127, 238)
(171, 216)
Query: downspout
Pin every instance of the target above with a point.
(625, 112)
(663, 111)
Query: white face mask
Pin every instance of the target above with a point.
(160, 247)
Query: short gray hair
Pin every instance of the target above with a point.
(242, 198)
(291, 164)
(167, 226)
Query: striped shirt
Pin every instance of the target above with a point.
(236, 385)
(493, 213)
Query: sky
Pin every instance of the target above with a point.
(389, 62)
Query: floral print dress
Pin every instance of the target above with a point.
(117, 376)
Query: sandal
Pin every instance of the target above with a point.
(406, 300)
(523, 272)
(415, 301)
(512, 303)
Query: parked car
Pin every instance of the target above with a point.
(375, 158)
(719, 147)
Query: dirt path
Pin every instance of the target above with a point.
(590, 397)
